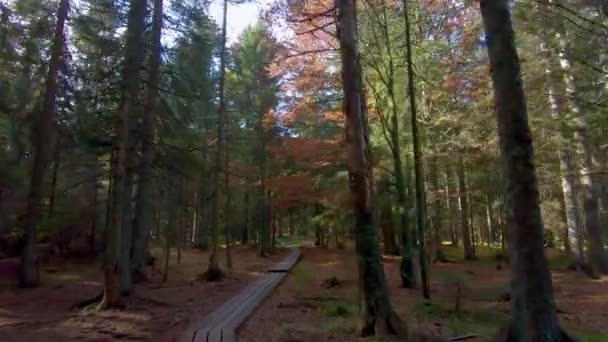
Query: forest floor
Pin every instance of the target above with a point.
(156, 311)
(318, 300)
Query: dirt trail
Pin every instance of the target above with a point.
(156, 311)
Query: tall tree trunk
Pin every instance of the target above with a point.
(450, 206)
(144, 207)
(387, 224)
(28, 276)
(567, 170)
(227, 225)
(437, 212)
(418, 167)
(246, 228)
(533, 317)
(469, 253)
(375, 304)
(214, 271)
(56, 164)
(113, 263)
(598, 258)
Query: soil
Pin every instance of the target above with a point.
(155, 311)
(318, 301)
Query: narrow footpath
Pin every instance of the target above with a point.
(221, 325)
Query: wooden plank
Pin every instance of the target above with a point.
(221, 324)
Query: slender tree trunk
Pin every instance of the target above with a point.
(418, 167)
(93, 218)
(469, 253)
(372, 283)
(567, 171)
(214, 271)
(387, 224)
(144, 207)
(450, 206)
(227, 205)
(533, 317)
(437, 212)
(598, 258)
(113, 263)
(246, 228)
(28, 276)
(56, 164)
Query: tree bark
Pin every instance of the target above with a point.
(144, 207)
(598, 258)
(214, 271)
(567, 172)
(28, 276)
(533, 305)
(375, 306)
(438, 256)
(469, 253)
(421, 219)
(113, 263)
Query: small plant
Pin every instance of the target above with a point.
(340, 309)
(302, 273)
(456, 281)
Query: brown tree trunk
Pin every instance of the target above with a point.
(28, 276)
(533, 317)
(375, 306)
(597, 255)
(437, 212)
(114, 263)
(469, 253)
(144, 207)
(214, 272)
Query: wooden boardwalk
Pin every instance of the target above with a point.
(221, 324)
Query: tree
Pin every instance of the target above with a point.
(372, 283)
(29, 276)
(421, 219)
(117, 268)
(144, 208)
(533, 317)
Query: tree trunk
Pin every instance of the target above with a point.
(56, 163)
(387, 225)
(469, 253)
(418, 167)
(450, 206)
(533, 317)
(28, 276)
(227, 206)
(598, 258)
(375, 304)
(567, 171)
(245, 229)
(144, 207)
(437, 212)
(113, 263)
(214, 271)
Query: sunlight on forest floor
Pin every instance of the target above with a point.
(309, 308)
(157, 311)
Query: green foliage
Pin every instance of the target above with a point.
(486, 323)
(339, 309)
(303, 273)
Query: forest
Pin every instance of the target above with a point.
(304, 170)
